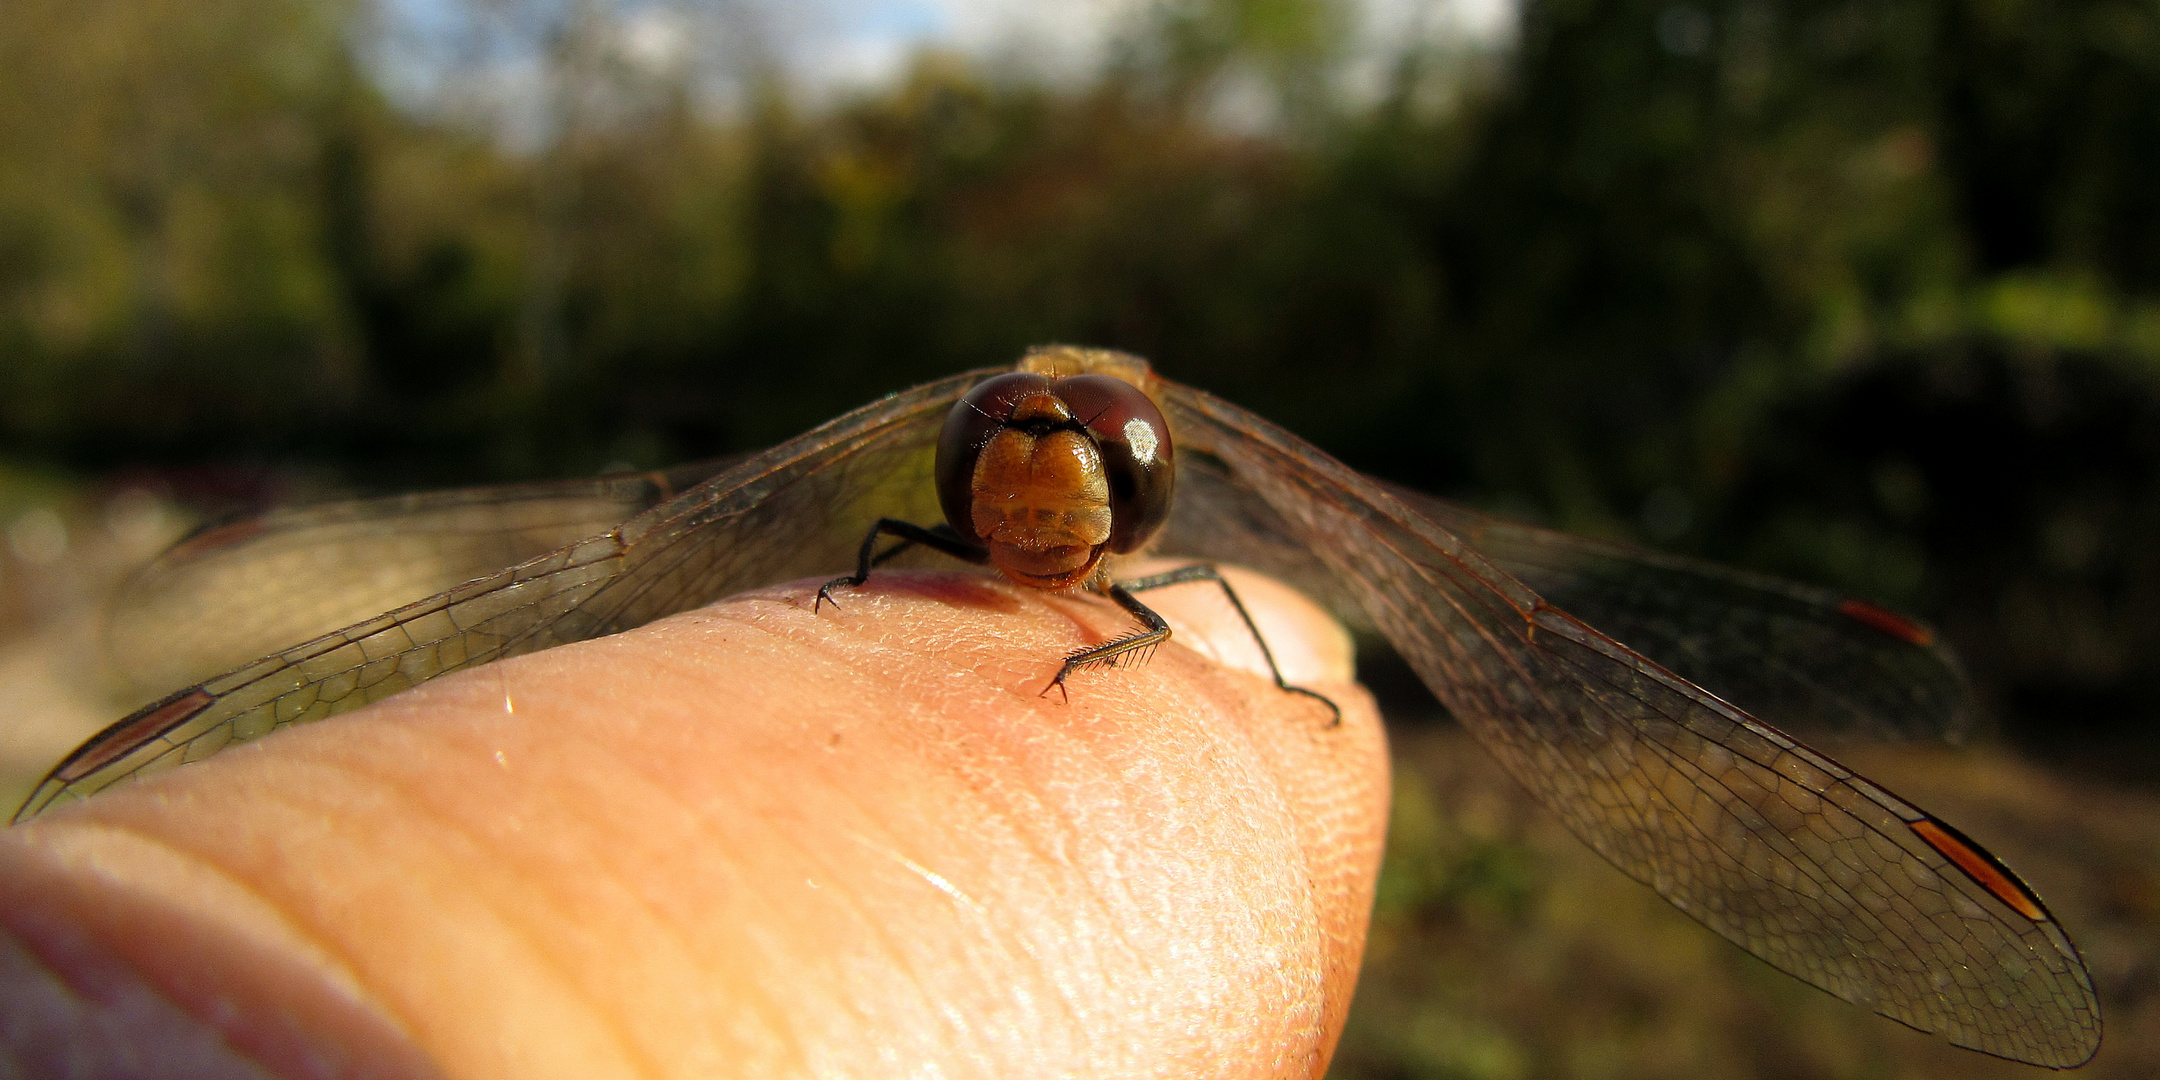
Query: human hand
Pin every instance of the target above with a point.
(746, 840)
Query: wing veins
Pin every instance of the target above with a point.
(1727, 851)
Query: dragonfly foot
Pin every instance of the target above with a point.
(825, 596)
(1334, 710)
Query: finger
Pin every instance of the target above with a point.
(1307, 645)
(758, 840)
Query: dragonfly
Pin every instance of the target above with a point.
(1642, 697)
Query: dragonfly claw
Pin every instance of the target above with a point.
(825, 596)
(1057, 684)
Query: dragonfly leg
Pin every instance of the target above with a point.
(1144, 642)
(941, 538)
(1134, 647)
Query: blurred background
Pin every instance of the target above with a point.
(1861, 292)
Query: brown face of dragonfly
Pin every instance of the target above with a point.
(1050, 474)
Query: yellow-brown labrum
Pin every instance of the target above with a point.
(1041, 503)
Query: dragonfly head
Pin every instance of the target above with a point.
(1049, 473)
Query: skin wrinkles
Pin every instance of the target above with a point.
(866, 674)
(522, 922)
(1017, 822)
(955, 1022)
(1022, 810)
(516, 920)
(89, 845)
(821, 858)
(1022, 821)
(509, 908)
(1225, 694)
(621, 1028)
(338, 962)
(773, 1012)
(678, 926)
(201, 906)
(1142, 880)
(778, 1020)
(1088, 618)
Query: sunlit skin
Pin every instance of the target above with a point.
(747, 840)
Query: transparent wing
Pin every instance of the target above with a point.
(796, 509)
(1796, 657)
(251, 587)
(1776, 847)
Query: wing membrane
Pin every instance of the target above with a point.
(795, 509)
(253, 587)
(1794, 656)
(1776, 847)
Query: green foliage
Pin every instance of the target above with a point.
(1771, 282)
(157, 216)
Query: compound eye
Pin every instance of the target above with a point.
(981, 413)
(1136, 454)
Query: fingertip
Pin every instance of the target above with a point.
(1306, 643)
(823, 841)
